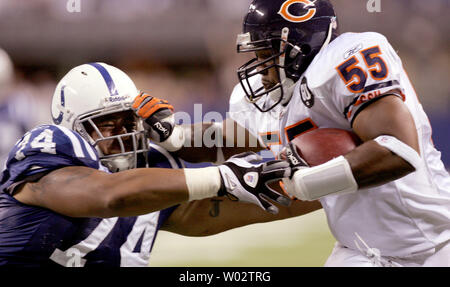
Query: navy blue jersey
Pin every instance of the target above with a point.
(34, 236)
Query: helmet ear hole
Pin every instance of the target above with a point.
(306, 49)
(297, 63)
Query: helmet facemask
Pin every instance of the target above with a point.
(266, 99)
(293, 46)
(133, 144)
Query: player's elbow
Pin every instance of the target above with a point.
(403, 168)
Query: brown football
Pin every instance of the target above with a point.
(321, 145)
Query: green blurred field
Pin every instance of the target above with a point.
(304, 241)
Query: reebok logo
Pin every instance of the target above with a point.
(353, 51)
(291, 157)
(161, 128)
(118, 98)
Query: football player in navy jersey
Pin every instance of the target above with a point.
(90, 189)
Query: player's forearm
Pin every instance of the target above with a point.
(369, 165)
(212, 216)
(142, 191)
(86, 192)
(214, 142)
(211, 154)
(389, 152)
(374, 165)
(391, 148)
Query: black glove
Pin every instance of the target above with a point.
(157, 115)
(246, 177)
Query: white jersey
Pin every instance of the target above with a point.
(402, 218)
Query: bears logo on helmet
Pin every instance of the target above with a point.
(310, 12)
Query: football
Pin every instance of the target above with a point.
(321, 145)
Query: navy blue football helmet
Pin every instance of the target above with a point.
(294, 31)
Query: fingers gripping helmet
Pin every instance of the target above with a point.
(294, 31)
(94, 90)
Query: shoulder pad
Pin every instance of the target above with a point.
(323, 67)
(46, 148)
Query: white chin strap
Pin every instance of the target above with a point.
(333, 25)
(288, 89)
(287, 84)
(119, 163)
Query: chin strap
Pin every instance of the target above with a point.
(119, 163)
(333, 25)
(288, 89)
(287, 84)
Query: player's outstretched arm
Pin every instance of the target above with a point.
(235, 139)
(214, 215)
(390, 150)
(85, 192)
(199, 142)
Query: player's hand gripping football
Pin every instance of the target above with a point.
(290, 154)
(159, 121)
(246, 177)
(296, 162)
(310, 183)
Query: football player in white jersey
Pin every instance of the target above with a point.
(388, 201)
(88, 190)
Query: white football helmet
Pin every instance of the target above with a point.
(6, 69)
(94, 90)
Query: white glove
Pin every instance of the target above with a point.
(246, 177)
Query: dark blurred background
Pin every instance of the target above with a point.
(184, 51)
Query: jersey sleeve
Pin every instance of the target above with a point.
(47, 148)
(367, 69)
(237, 110)
(161, 158)
(241, 110)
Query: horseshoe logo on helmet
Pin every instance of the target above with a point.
(309, 5)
